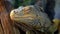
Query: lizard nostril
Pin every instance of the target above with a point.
(15, 12)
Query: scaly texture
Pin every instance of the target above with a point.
(31, 16)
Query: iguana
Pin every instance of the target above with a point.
(31, 16)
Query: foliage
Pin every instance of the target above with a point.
(23, 2)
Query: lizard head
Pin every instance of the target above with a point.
(28, 15)
(22, 13)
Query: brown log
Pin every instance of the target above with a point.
(7, 27)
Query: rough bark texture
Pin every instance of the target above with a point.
(6, 26)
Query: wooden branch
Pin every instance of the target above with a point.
(7, 27)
